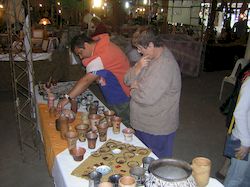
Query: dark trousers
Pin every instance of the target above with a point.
(161, 145)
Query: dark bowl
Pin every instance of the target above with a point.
(114, 178)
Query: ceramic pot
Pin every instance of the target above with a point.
(171, 173)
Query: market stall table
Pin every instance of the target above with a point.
(60, 162)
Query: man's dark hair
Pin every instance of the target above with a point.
(79, 40)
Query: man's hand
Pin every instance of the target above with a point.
(78, 88)
(61, 104)
(241, 152)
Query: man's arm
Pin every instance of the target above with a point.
(82, 85)
(79, 87)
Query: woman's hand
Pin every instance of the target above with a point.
(143, 62)
(134, 85)
(241, 152)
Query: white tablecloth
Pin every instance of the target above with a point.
(64, 163)
(21, 56)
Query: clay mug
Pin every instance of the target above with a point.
(94, 120)
(127, 181)
(91, 137)
(102, 130)
(85, 118)
(82, 129)
(71, 139)
(92, 109)
(108, 115)
(116, 122)
(201, 170)
(64, 126)
(128, 134)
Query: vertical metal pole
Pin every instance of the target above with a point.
(22, 81)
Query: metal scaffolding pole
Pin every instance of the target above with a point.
(18, 13)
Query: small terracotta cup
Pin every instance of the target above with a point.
(94, 120)
(71, 139)
(92, 108)
(78, 153)
(102, 130)
(127, 181)
(82, 130)
(201, 170)
(116, 123)
(91, 137)
(85, 118)
(64, 126)
(108, 115)
(128, 134)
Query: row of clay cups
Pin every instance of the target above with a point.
(123, 181)
(97, 124)
(76, 152)
(112, 121)
(86, 117)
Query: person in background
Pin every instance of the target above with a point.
(98, 26)
(88, 25)
(228, 108)
(155, 88)
(87, 18)
(240, 28)
(238, 174)
(106, 64)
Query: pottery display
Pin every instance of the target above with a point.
(78, 153)
(171, 173)
(69, 114)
